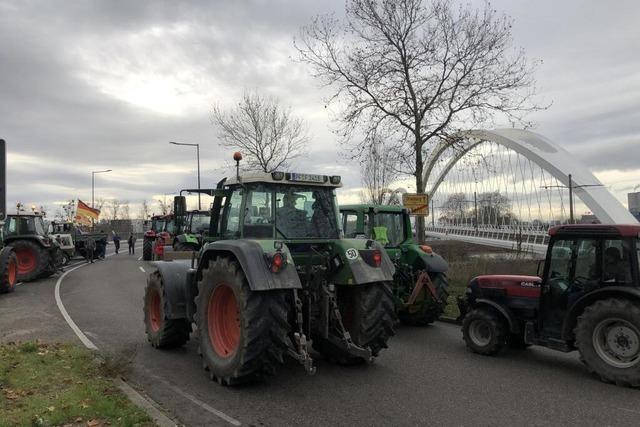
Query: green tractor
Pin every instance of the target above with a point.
(191, 226)
(420, 281)
(274, 278)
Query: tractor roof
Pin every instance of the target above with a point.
(288, 178)
(631, 230)
(377, 208)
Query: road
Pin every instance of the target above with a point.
(426, 377)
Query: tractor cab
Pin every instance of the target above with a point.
(24, 224)
(587, 298)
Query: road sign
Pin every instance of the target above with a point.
(3, 179)
(417, 203)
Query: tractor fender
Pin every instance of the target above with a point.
(514, 326)
(251, 257)
(571, 319)
(178, 283)
(365, 273)
(37, 240)
(433, 262)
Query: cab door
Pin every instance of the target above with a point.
(572, 269)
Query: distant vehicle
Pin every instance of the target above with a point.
(72, 238)
(587, 299)
(160, 233)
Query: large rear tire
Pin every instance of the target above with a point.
(368, 313)
(608, 338)
(147, 249)
(243, 334)
(8, 270)
(162, 332)
(33, 259)
(426, 310)
(484, 331)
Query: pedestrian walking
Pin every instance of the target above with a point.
(132, 243)
(89, 247)
(116, 241)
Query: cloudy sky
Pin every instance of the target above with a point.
(90, 85)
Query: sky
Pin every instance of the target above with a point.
(93, 85)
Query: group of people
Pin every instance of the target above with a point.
(96, 249)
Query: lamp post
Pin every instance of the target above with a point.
(571, 187)
(198, 159)
(93, 188)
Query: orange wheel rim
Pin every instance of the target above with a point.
(27, 261)
(155, 312)
(223, 321)
(12, 270)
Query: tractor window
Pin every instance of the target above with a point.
(350, 224)
(388, 229)
(616, 262)
(39, 226)
(258, 217)
(305, 212)
(171, 225)
(233, 213)
(200, 222)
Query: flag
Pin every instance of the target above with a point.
(86, 212)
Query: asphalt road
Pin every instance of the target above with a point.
(426, 377)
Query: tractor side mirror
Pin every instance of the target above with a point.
(179, 206)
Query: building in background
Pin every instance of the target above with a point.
(634, 204)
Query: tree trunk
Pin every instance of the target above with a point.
(419, 188)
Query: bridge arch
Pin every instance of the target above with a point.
(549, 156)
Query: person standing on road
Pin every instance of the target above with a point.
(89, 247)
(116, 241)
(132, 244)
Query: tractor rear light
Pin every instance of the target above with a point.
(426, 249)
(377, 258)
(277, 176)
(277, 262)
(335, 180)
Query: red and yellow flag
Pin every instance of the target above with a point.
(85, 211)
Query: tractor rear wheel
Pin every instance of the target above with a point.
(484, 331)
(33, 260)
(162, 332)
(243, 334)
(368, 314)
(426, 309)
(608, 338)
(8, 270)
(147, 249)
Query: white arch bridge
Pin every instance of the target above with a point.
(506, 187)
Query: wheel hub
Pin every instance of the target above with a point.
(223, 321)
(617, 342)
(26, 261)
(480, 332)
(155, 312)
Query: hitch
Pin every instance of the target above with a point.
(345, 342)
(423, 280)
(302, 344)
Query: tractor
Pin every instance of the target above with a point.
(190, 226)
(71, 238)
(37, 253)
(157, 236)
(275, 277)
(587, 299)
(420, 283)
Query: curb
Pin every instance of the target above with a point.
(452, 320)
(145, 403)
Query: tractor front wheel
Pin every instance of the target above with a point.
(484, 331)
(368, 314)
(243, 334)
(33, 260)
(608, 338)
(8, 270)
(162, 332)
(147, 249)
(427, 309)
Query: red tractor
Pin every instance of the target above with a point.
(160, 233)
(587, 299)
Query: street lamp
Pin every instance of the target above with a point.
(198, 159)
(571, 187)
(93, 183)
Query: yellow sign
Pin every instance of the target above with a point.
(418, 204)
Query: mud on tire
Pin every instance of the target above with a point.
(607, 336)
(243, 334)
(33, 260)
(368, 313)
(426, 310)
(484, 331)
(8, 270)
(162, 332)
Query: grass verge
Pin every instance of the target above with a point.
(60, 384)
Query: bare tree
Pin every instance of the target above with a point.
(99, 203)
(124, 210)
(419, 69)
(455, 209)
(377, 172)
(144, 210)
(263, 130)
(115, 208)
(165, 207)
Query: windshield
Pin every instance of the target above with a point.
(158, 225)
(199, 222)
(304, 212)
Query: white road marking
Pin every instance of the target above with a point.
(139, 258)
(19, 283)
(91, 346)
(141, 269)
